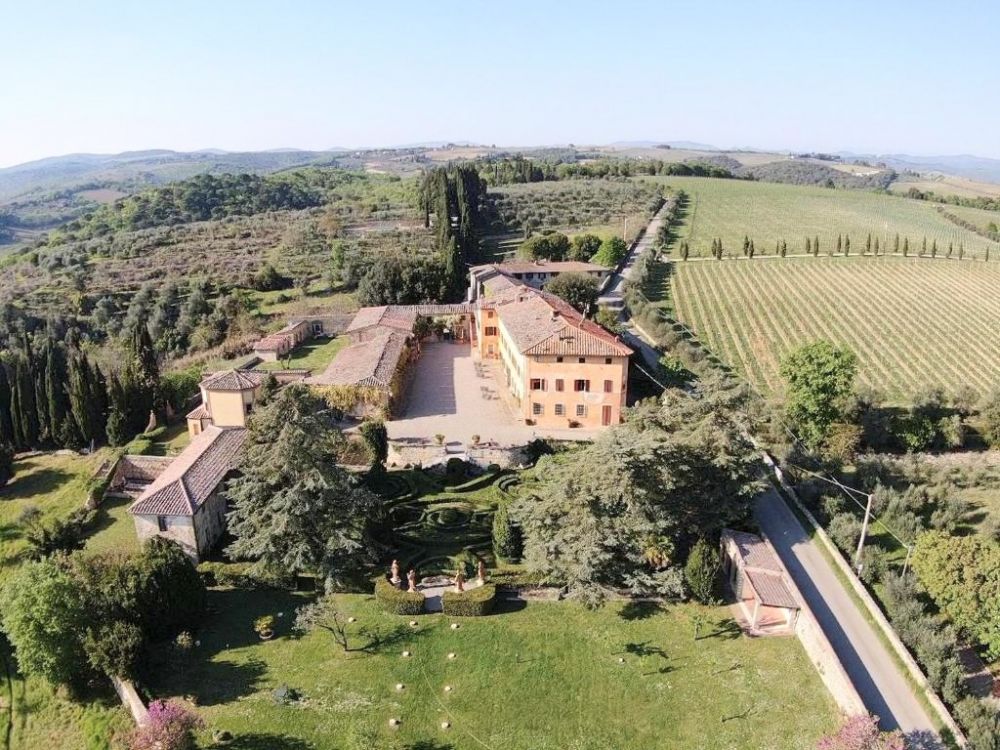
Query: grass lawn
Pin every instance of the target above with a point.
(314, 354)
(114, 530)
(172, 440)
(541, 675)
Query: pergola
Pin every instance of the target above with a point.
(758, 579)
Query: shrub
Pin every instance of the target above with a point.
(845, 530)
(472, 603)
(238, 576)
(170, 727)
(981, 723)
(507, 542)
(397, 601)
(873, 564)
(701, 570)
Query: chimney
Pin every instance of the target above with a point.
(555, 314)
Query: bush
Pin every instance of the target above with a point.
(845, 530)
(874, 564)
(238, 576)
(472, 603)
(397, 601)
(170, 727)
(981, 723)
(507, 542)
(701, 570)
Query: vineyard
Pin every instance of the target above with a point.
(912, 322)
(769, 213)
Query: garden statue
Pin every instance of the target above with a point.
(481, 573)
(411, 578)
(460, 581)
(395, 573)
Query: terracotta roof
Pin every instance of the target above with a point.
(541, 323)
(273, 343)
(763, 569)
(550, 266)
(194, 475)
(137, 468)
(233, 380)
(390, 316)
(198, 412)
(367, 363)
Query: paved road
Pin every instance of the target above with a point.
(868, 662)
(613, 293)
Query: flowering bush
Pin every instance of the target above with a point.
(862, 733)
(170, 727)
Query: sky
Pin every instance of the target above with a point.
(870, 77)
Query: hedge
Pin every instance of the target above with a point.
(397, 601)
(237, 575)
(472, 603)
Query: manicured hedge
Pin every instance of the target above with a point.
(397, 601)
(472, 603)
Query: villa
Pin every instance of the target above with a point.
(495, 277)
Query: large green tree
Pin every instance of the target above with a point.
(620, 511)
(819, 377)
(612, 252)
(294, 509)
(578, 289)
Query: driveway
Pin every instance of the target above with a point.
(868, 662)
(453, 393)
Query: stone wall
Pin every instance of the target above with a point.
(427, 453)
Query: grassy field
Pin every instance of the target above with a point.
(912, 322)
(541, 675)
(768, 213)
(314, 354)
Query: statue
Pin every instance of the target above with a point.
(396, 580)
(481, 573)
(459, 581)
(411, 578)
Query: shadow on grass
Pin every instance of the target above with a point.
(428, 745)
(507, 606)
(27, 486)
(264, 742)
(726, 629)
(104, 519)
(233, 612)
(634, 610)
(211, 682)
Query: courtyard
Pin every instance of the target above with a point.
(454, 393)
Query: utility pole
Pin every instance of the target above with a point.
(625, 231)
(864, 532)
(906, 564)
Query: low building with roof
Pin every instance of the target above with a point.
(183, 501)
(370, 320)
(759, 582)
(227, 398)
(276, 345)
(489, 279)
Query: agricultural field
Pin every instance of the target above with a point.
(533, 675)
(769, 213)
(947, 185)
(912, 322)
(602, 207)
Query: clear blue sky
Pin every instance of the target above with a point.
(107, 76)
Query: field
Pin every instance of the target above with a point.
(912, 322)
(948, 185)
(769, 213)
(314, 354)
(541, 675)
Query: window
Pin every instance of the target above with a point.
(581, 410)
(609, 386)
(490, 349)
(491, 330)
(581, 385)
(607, 360)
(248, 408)
(558, 359)
(161, 523)
(537, 384)
(560, 410)
(559, 384)
(582, 360)
(537, 409)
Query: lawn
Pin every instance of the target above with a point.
(114, 530)
(770, 212)
(313, 354)
(912, 322)
(541, 675)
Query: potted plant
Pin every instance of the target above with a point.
(264, 627)
(439, 439)
(475, 439)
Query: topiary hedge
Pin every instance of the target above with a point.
(397, 601)
(472, 603)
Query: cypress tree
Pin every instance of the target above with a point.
(906, 247)
(6, 421)
(840, 243)
(784, 248)
(895, 244)
(934, 249)
(868, 243)
(961, 251)
(752, 249)
(55, 394)
(876, 245)
(816, 245)
(118, 428)
(923, 246)
(951, 248)
(987, 254)
(746, 245)
(808, 246)
(27, 412)
(847, 245)
(684, 251)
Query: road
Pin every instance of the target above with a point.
(869, 663)
(613, 294)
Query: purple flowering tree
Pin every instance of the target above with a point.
(862, 733)
(171, 726)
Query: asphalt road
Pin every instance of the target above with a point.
(871, 667)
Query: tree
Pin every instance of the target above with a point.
(578, 289)
(847, 245)
(784, 249)
(608, 318)
(613, 251)
(115, 648)
(293, 509)
(376, 438)
(906, 247)
(507, 542)
(981, 722)
(170, 726)
(862, 733)
(42, 608)
(819, 376)
(612, 514)
(325, 615)
(701, 570)
(816, 246)
(752, 249)
(551, 246)
(840, 243)
(584, 247)
(989, 420)
(684, 251)
(962, 575)
(868, 243)
(6, 464)
(168, 592)
(808, 246)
